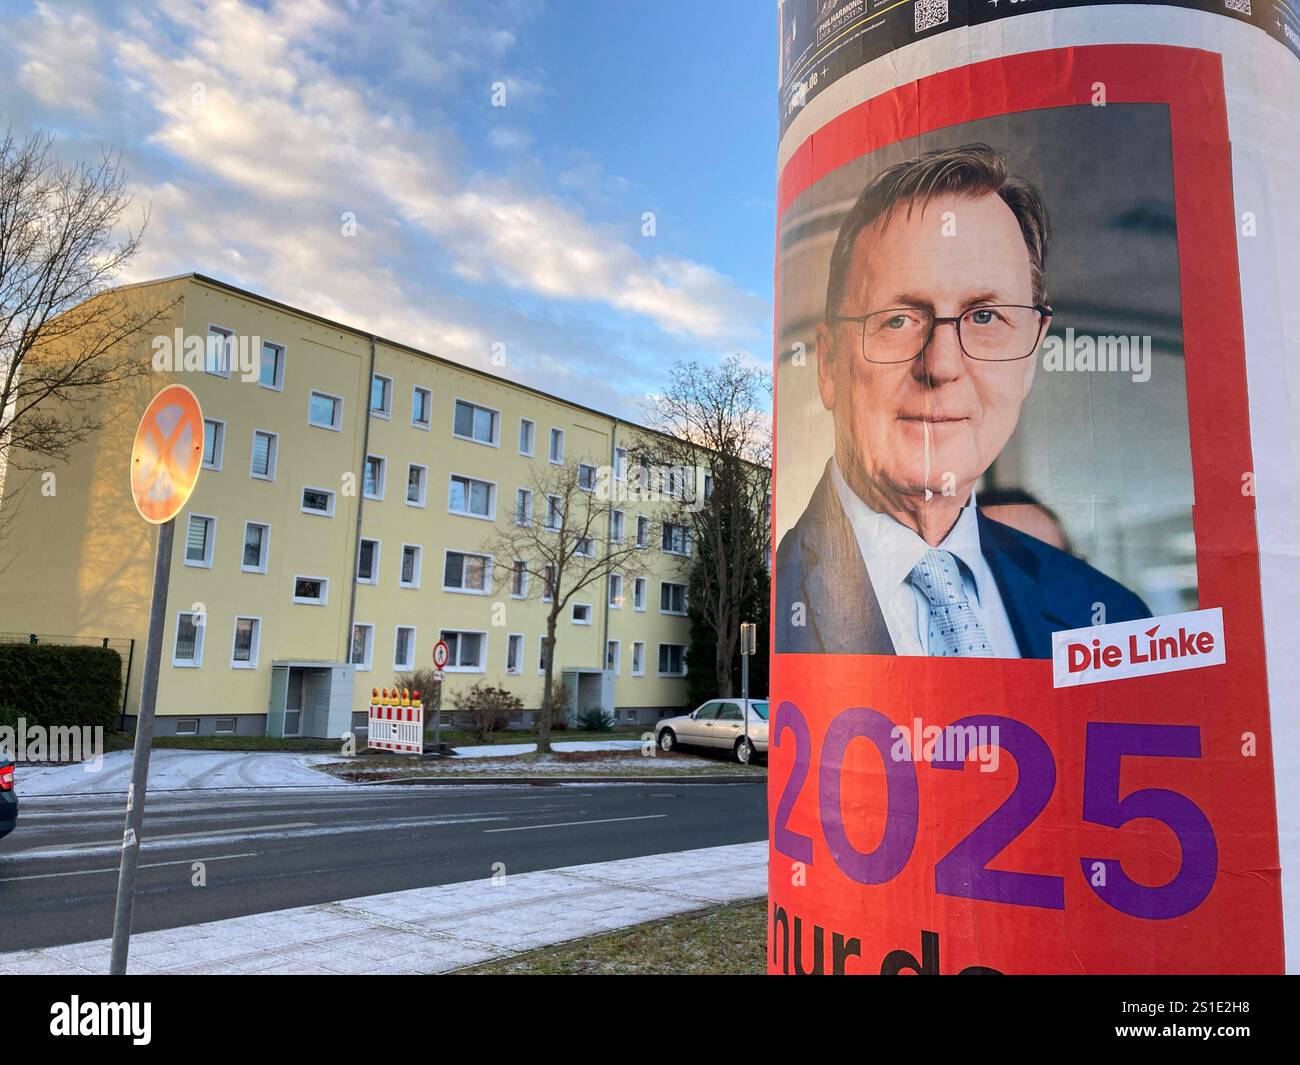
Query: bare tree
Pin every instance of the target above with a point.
(567, 543)
(64, 341)
(716, 433)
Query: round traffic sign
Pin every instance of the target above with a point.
(441, 652)
(167, 454)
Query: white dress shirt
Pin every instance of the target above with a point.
(891, 550)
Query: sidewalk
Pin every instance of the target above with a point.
(435, 929)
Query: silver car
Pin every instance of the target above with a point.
(719, 725)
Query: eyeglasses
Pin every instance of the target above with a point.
(987, 333)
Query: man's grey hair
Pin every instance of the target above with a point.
(971, 170)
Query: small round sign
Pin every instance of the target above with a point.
(441, 652)
(167, 454)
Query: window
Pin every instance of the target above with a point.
(611, 656)
(616, 524)
(515, 653)
(421, 407)
(554, 512)
(672, 660)
(318, 501)
(672, 598)
(467, 573)
(313, 591)
(376, 474)
(708, 486)
(472, 422)
(223, 726)
(585, 547)
(417, 481)
(615, 581)
(541, 655)
(248, 635)
(519, 579)
(404, 648)
(270, 373)
(381, 396)
(199, 537)
(325, 411)
(219, 351)
(523, 506)
(548, 583)
(638, 593)
(638, 659)
(214, 443)
(586, 477)
(620, 463)
(582, 613)
(368, 561)
(642, 532)
(188, 650)
(266, 447)
(363, 644)
(527, 437)
(412, 557)
(257, 541)
(674, 539)
(557, 446)
(467, 651)
(187, 726)
(473, 498)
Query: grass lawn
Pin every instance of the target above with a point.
(727, 940)
(377, 766)
(119, 741)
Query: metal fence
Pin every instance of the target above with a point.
(123, 645)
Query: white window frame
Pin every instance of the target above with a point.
(210, 544)
(492, 497)
(374, 568)
(541, 652)
(550, 446)
(685, 611)
(617, 668)
(528, 507)
(229, 335)
(640, 593)
(419, 566)
(482, 667)
(265, 526)
(558, 499)
(642, 523)
(487, 574)
(424, 484)
(273, 455)
(278, 384)
(523, 592)
(595, 472)
(324, 590)
(573, 614)
(309, 510)
(337, 426)
(385, 412)
(496, 423)
(409, 665)
(638, 646)
(686, 540)
(219, 438)
(428, 421)
(612, 581)
(183, 726)
(532, 437)
(523, 650)
(382, 478)
(363, 666)
(197, 660)
(622, 526)
(684, 667)
(620, 464)
(257, 642)
(548, 583)
(217, 730)
(590, 541)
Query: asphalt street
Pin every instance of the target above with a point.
(270, 849)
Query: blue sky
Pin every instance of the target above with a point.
(251, 129)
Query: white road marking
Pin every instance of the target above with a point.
(114, 869)
(170, 835)
(567, 824)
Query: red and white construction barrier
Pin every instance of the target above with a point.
(396, 721)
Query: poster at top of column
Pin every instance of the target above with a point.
(1036, 499)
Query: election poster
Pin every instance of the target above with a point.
(1036, 490)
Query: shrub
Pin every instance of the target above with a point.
(61, 685)
(420, 681)
(488, 708)
(595, 719)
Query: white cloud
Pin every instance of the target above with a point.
(62, 65)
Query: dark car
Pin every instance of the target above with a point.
(8, 800)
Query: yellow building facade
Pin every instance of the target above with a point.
(337, 531)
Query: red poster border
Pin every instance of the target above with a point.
(1190, 83)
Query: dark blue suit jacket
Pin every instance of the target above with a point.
(825, 603)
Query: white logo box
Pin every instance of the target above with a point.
(1142, 648)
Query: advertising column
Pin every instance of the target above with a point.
(1037, 489)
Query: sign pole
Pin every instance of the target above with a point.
(135, 794)
(437, 710)
(748, 644)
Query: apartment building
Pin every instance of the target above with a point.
(337, 531)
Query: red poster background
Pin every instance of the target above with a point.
(1238, 927)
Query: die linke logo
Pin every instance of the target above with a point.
(1138, 648)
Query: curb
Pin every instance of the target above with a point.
(543, 782)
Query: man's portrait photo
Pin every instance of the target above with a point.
(937, 506)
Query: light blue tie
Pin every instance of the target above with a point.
(955, 631)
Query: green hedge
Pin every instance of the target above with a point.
(56, 685)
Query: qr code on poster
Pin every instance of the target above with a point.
(1241, 7)
(932, 13)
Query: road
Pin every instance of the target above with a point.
(269, 849)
